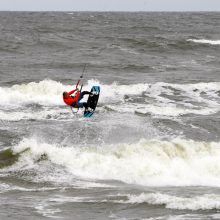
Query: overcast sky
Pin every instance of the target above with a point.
(110, 5)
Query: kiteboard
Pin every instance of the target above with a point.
(92, 101)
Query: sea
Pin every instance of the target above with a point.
(151, 151)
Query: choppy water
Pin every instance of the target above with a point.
(151, 151)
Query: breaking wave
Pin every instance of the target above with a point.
(193, 203)
(201, 202)
(148, 162)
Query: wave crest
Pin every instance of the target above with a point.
(205, 41)
(149, 162)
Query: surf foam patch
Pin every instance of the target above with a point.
(201, 202)
(148, 162)
(205, 41)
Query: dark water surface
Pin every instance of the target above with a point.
(152, 149)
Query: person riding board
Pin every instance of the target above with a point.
(74, 100)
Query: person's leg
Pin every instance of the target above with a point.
(80, 104)
(83, 104)
(84, 93)
(81, 96)
(87, 93)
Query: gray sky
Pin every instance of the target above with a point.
(110, 5)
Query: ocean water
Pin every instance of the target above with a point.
(152, 149)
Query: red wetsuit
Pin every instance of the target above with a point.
(72, 100)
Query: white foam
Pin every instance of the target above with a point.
(202, 202)
(47, 113)
(44, 209)
(166, 107)
(88, 185)
(173, 111)
(48, 93)
(148, 162)
(205, 41)
(6, 188)
(166, 111)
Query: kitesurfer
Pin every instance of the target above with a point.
(74, 100)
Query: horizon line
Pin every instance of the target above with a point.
(199, 11)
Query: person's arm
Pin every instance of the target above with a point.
(71, 92)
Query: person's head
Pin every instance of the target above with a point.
(65, 95)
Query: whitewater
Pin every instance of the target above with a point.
(202, 98)
(151, 151)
